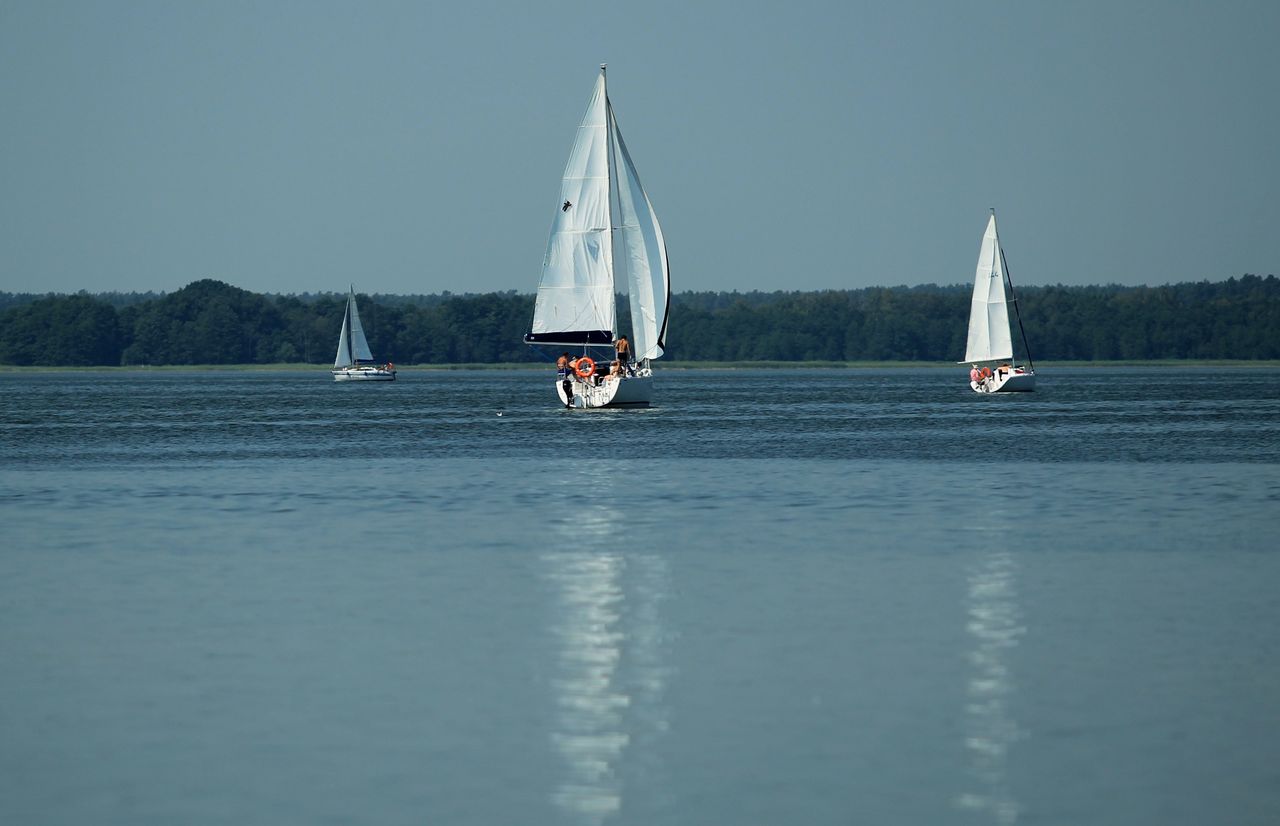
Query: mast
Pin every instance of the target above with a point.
(346, 322)
(1013, 297)
(611, 165)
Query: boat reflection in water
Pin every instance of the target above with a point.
(610, 679)
(995, 626)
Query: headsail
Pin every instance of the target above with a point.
(352, 346)
(645, 253)
(343, 359)
(575, 303)
(989, 337)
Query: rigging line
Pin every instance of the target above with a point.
(540, 352)
(1016, 311)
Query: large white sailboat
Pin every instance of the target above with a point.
(989, 351)
(354, 362)
(602, 205)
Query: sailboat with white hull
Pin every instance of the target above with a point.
(354, 362)
(602, 205)
(989, 351)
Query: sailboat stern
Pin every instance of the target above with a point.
(585, 394)
(1005, 379)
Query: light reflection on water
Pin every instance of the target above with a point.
(611, 680)
(994, 626)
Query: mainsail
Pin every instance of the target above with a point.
(575, 303)
(353, 349)
(989, 335)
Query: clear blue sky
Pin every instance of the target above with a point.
(415, 147)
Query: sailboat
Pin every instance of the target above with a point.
(989, 351)
(354, 362)
(602, 205)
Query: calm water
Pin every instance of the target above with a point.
(810, 597)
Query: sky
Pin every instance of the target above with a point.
(300, 146)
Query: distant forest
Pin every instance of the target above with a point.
(209, 322)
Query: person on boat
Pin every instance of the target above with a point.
(624, 352)
(616, 370)
(975, 375)
(566, 378)
(565, 368)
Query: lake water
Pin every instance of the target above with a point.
(802, 596)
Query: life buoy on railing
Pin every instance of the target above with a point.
(986, 372)
(584, 367)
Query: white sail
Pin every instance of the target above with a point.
(645, 254)
(353, 348)
(343, 359)
(359, 345)
(989, 336)
(575, 301)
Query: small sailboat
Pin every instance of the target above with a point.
(354, 362)
(989, 351)
(602, 205)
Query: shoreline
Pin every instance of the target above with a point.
(674, 365)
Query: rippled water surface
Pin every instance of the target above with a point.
(846, 596)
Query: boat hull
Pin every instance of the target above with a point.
(632, 391)
(1006, 381)
(363, 374)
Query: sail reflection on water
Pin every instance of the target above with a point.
(610, 678)
(995, 627)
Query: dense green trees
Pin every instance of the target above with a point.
(72, 330)
(209, 322)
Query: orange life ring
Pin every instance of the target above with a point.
(986, 372)
(585, 368)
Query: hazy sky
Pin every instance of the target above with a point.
(415, 147)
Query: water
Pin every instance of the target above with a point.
(795, 596)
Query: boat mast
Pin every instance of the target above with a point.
(611, 167)
(346, 322)
(1013, 296)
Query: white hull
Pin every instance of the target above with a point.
(632, 391)
(1005, 381)
(363, 374)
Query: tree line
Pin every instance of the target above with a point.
(210, 322)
